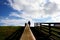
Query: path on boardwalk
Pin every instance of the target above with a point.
(27, 34)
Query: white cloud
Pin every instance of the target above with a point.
(55, 17)
(35, 9)
(57, 2)
(21, 4)
(25, 17)
(31, 8)
(13, 22)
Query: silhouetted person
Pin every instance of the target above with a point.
(29, 23)
(25, 24)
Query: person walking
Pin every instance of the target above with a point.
(29, 23)
(25, 24)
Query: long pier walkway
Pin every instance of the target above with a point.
(27, 34)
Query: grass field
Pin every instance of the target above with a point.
(6, 31)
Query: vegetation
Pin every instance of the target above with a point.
(6, 31)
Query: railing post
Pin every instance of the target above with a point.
(49, 29)
(40, 26)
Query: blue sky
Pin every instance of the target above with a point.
(18, 12)
(5, 9)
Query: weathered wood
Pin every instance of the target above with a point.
(27, 34)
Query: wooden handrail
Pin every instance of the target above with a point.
(49, 29)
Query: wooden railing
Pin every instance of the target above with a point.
(51, 31)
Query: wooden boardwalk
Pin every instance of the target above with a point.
(27, 34)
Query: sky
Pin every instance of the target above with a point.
(19, 12)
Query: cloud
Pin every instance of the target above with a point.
(14, 14)
(23, 4)
(31, 8)
(50, 8)
(34, 9)
(13, 22)
(57, 2)
(55, 17)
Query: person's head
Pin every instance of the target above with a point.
(25, 24)
(29, 22)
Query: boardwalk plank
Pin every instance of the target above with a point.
(27, 34)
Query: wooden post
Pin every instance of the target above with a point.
(36, 25)
(40, 26)
(54, 25)
(49, 29)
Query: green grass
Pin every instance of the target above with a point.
(6, 31)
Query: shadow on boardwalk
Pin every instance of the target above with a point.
(16, 35)
(39, 35)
